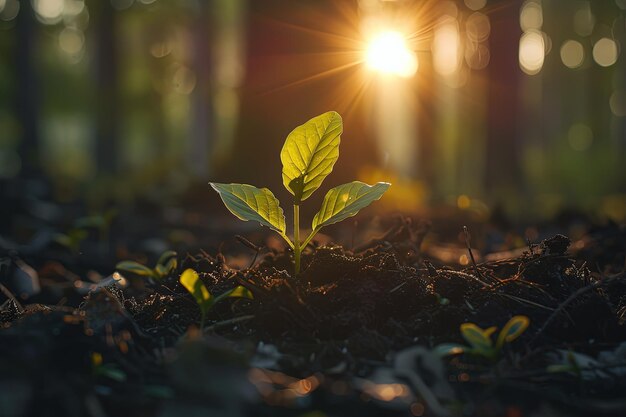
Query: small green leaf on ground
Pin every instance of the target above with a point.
(191, 281)
(478, 338)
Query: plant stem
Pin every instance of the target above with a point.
(296, 237)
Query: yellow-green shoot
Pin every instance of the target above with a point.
(165, 265)
(480, 340)
(205, 300)
(308, 156)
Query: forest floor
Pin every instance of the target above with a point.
(360, 332)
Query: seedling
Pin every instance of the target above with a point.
(79, 232)
(167, 263)
(72, 239)
(308, 156)
(191, 281)
(480, 341)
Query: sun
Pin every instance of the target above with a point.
(388, 53)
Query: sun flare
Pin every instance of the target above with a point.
(388, 53)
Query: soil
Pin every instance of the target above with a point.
(355, 334)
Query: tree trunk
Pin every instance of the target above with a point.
(27, 98)
(107, 100)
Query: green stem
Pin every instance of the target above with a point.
(296, 237)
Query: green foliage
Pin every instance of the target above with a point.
(346, 201)
(308, 156)
(192, 283)
(480, 340)
(247, 202)
(165, 265)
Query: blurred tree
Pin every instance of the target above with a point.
(27, 92)
(502, 166)
(200, 129)
(104, 18)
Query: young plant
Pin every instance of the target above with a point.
(72, 239)
(480, 340)
(192, 283)
(308, 156)
(167, 263)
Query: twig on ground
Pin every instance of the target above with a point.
(465, 275)
(228, 322)
(11, 297)
(569, 300)
(257, 249)
(471, 254)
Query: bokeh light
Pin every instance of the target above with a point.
(617, 102)
(477, 56)
(531, 52)
(580, 137)
(9, 10)
(49, 11)
(475, 4)
(605, 52)
(572, 54)
(584, 20)
(531, 16)
(478, 27)
(446, 47)
(71, 41)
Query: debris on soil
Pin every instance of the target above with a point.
(356, 333)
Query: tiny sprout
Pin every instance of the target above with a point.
(308, 156)
(165, 265)
(480, 340)
(192, 283)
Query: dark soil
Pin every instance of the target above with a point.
(353, 335)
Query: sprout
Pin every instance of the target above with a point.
(308, 156)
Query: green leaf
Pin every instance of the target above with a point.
(135, 268)
(247, 202)
(346, 200)
(512, 330)
(171, 265)
(165, 256)
(191, 281)
(478, 338)
(309, 154)
(238, 292)
(160, 271)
